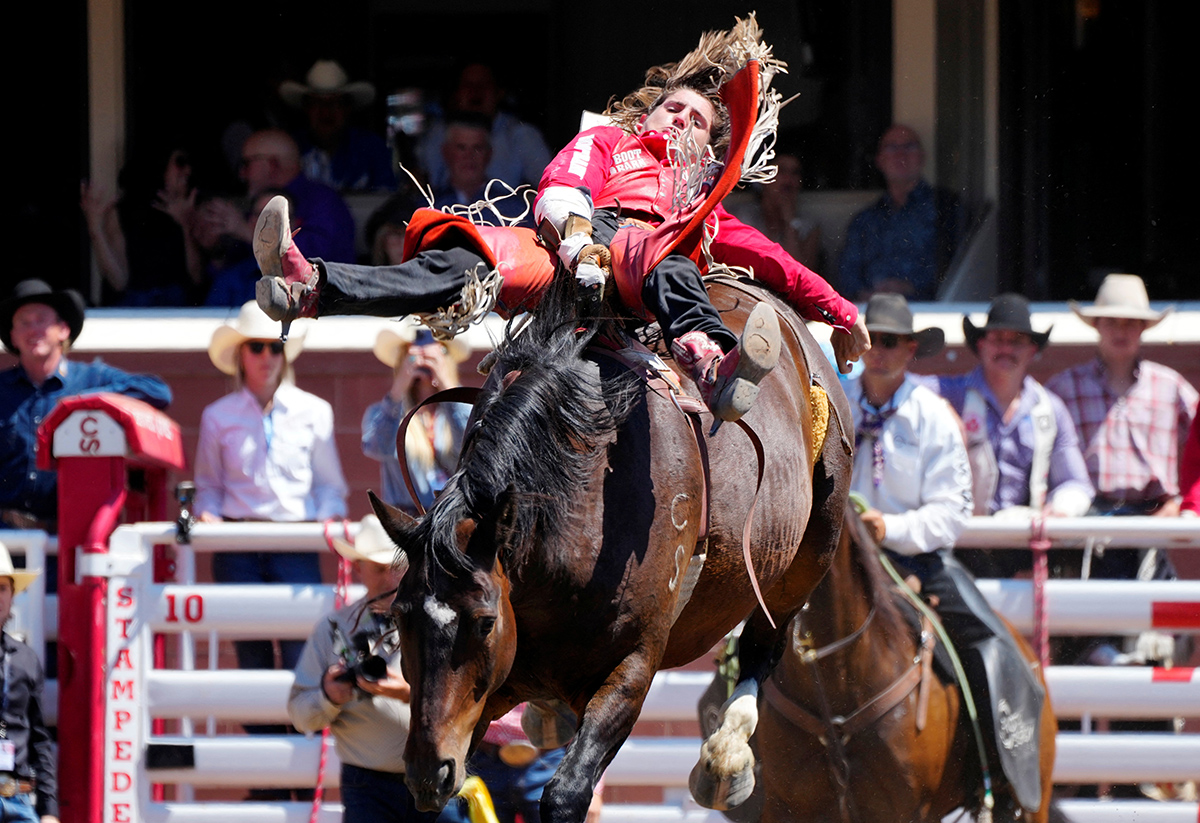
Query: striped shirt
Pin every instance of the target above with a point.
(1132, 442)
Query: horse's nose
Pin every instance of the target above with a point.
(445, 778)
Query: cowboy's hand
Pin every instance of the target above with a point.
(569, 248)
(339, 690)
(588, 275)
(393, 685)
(873, 520)
(849, 346)
(594, 808)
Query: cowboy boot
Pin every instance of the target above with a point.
(289, 284)
(728, 382)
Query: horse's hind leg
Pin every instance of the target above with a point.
(724, 776)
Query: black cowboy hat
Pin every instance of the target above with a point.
(1008, 312)
(890, 314)
(68, 303)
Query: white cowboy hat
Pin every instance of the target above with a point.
(327, 77)
(21, 578)
(1121, 296)
(391, 343)
(372, 545)
(250, 324)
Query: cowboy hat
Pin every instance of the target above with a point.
(1008, 312)
(1121, 296)
(890, 314)
(68, 303)
(392, 343)
(21, 578)
(327, 77)
(250, 324)
(372, 545)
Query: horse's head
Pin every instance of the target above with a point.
(457, 639)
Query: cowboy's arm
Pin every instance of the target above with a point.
(380, 423)
(309, 708)
(564, 203)
(148, 388)
(1070, 489)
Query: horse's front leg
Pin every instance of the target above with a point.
(607, 720)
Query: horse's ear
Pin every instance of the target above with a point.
(393, 520)
(503, 526)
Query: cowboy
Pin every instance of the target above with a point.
(364, 706)
(420, 366)
(39, 325)
(28, 780)
(1021, 441)
(333, 151)
(680, 112)
(911, 469)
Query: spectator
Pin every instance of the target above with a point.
(266, 453)
(905, 241)
(1131, 414)
(224, 231)
(368, 716)
(519, 152)
(1189, 472)
(1025, 456)
(775, 214)
(271, 160)
(332, 151)
(515, 773)
(28, 777)
(420, 367)
(143, 242)
(467, 150)
(39, 325)
(912, 472)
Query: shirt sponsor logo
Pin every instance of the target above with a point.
(581, 156)
(629, 160)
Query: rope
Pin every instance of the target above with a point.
(1039, 544)
(339, 599)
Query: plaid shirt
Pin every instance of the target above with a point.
(1132, 441)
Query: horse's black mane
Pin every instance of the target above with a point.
(538, 430)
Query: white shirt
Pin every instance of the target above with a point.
(925, 491)
(297, 477)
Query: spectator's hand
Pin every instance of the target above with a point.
(49, 818)
(223, 217)
(393, 686)
(339, 692)
(404, 376)
(180, 206)
(594, 808)
(873, 520)
(209, 517)
(1171, 508)
(848, 346)
(445, 373)
(96, 203)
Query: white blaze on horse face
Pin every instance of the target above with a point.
(439, 612)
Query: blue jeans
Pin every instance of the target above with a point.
(513, 791)
(369, 796)
(20, 808)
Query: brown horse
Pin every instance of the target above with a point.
(854, 727)
(561, 560)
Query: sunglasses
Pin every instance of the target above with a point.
(257, 346)
(889, 341)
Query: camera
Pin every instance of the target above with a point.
(358, 656)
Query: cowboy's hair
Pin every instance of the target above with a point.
(718, 56)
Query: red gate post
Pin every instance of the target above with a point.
(94, 441)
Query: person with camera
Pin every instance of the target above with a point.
(348, 680)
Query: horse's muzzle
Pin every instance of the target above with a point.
(431, 792)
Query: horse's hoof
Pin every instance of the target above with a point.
(721, 793)
(549, 724)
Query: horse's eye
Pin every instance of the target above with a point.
(485, 626)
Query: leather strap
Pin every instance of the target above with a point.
(458, 394)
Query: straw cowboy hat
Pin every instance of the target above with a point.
(1008, 312)
(1121, 296)
(68, 303)
(393, 342)
(890, 314)
(250, 324)
(327, 77)
(21, 578)
(372, 545)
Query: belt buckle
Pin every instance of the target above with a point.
(8, 787)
